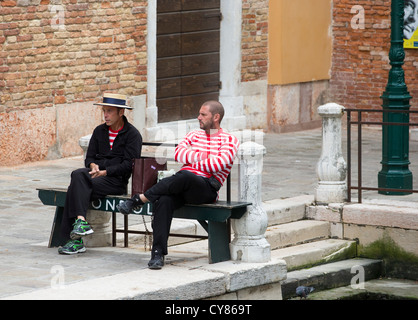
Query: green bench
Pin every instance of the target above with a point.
(214, 218)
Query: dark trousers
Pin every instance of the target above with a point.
(170, 194)
(82, 190)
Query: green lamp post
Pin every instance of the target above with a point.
(395, 172)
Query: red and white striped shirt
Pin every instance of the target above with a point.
(112, 136)
(207, 155)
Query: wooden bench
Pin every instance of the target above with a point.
(214, 218)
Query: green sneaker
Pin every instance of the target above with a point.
(72, 247)
(81, 229)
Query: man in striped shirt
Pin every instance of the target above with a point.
(207, 156)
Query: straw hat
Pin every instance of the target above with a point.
(114, 100)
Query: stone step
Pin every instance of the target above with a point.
(298, 232)
(316, 253)
(332, 275)
(281, 211)
(296, 257)
(393, 289)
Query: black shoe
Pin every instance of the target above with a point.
(146, 209)
(129, 205)
(157, 260)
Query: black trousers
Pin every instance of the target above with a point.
(170, 194)
(82, 190)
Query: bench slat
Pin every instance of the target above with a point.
(219, 211)
(212, 213)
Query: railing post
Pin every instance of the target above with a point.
(331, 168)
(349, 155)
(250, 244)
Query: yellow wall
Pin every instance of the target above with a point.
(300, 43)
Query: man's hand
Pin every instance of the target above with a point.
(96, 172)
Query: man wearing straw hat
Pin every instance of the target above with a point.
(108, 167)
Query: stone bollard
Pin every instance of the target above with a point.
(99, 220)
(331, 168)
(100, 223)
(250, 244)
(83, 142)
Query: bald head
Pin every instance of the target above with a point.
(215, 107)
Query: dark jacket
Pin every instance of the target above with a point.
(118, 161)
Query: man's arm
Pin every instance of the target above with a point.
(220, 161)
(93, 150)
(184, 153)
(91, 161)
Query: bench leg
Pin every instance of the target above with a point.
(113, 229)
(218, 233)
(55, 239)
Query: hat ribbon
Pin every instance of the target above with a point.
(120, 102)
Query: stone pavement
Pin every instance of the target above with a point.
(29, 269)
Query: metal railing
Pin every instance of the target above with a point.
(360, 122)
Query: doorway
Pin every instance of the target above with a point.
(188, 55)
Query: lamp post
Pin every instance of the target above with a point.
(395, 172)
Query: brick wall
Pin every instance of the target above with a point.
(254, 39)
(55, 52)
(360, 63)
(56, 57)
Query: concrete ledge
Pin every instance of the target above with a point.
(330, 275)
(247, 275)
(170, 283)
(406, 289)
(380, 215)
(370, 221)
(406, 239)
(182, 281)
